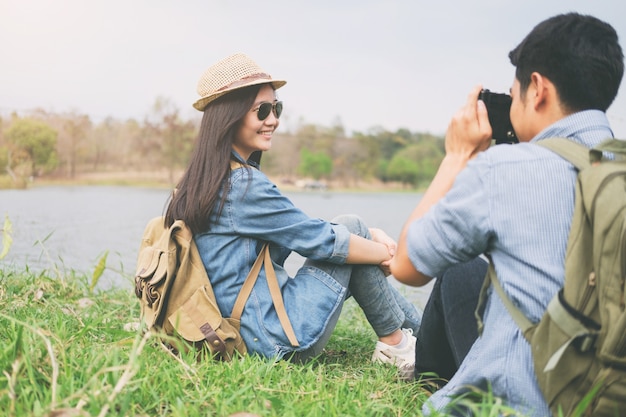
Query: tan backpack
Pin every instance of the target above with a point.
(177, 299)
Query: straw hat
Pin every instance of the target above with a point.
(231, 73)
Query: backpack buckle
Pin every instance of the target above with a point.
(586, 342)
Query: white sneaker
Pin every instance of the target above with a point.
(402, 357)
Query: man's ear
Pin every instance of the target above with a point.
(537, 90)
(541, 90)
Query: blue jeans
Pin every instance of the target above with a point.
(385, 308)
(449, 327)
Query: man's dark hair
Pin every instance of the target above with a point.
(579, 54)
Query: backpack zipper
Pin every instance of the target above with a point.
(591, 286)
(622, 302)
(591, 280)
(622, 245)
(620, 348)
(601, 187)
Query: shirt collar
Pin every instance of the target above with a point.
(588, 127)
(240, 159)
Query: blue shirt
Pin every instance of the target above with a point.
(256, 212)
(514, 202)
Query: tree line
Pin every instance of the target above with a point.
(42, 144)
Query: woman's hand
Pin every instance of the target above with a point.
(378, 235)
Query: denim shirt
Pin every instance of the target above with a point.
(516, 203)
(256, 212)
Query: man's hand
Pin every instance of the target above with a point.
(468, 134)
(469, 131)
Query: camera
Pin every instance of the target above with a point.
(498, 108)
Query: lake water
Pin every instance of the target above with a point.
(69, 228)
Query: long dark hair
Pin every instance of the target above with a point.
(207, 175)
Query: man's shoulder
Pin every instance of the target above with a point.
(521, 153)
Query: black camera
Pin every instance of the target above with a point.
(498, 109)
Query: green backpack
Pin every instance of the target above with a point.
(579, 345)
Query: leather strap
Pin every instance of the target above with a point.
(248, 284)
(209, 333)
(235, 164)
(277, 298)
(272, 283)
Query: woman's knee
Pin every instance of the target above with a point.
(354, 223)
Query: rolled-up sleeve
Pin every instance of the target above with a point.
(457, 228)
(342, 243)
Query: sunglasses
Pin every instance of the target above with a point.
(264, 109)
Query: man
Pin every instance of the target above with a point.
(513, 202)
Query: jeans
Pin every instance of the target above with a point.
(385, 308)
(448, 328)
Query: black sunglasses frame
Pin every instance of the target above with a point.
(264, 109)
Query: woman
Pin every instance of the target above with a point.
(233, 209)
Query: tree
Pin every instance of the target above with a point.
(315, 164)
(31, 142)
(282, 160)
(427, 154)
(75, 129)
(173, 135)
(403, 169)
(389, 143)
(418, 162)
(351, 164)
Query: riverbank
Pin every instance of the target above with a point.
(162, 179)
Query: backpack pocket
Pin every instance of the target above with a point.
(199, 322)
(152, 268)
(564, 356)
(610, 394)
(613, 349)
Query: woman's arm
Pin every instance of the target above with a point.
(365, 251)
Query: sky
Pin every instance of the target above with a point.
(363, 64)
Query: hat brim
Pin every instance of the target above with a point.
(202, 102)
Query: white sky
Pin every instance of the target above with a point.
(394, 63)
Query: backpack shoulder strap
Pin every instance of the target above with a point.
(272, 282)
(235, 164)
(248, 284)
(574, 152)
(579, 156)
(492, 279)
(277, 298)
(519, 317)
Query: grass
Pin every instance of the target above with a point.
(66, 351)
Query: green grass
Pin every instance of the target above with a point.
(64, 351)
